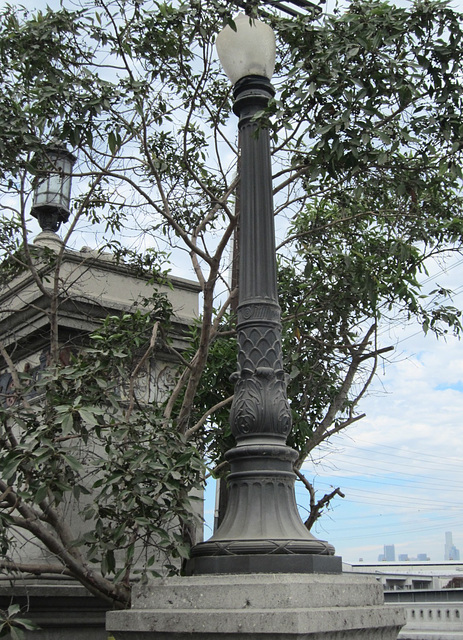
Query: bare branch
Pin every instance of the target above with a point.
(316, 506)
(216, 407)
(34, 568)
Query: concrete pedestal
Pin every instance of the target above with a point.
(259, 607)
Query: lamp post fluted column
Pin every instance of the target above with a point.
(262, 530)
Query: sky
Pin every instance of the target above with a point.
(401, 467)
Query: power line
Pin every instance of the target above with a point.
(429, 457)
(339, 465)
(386, 499)
(405, 452)
(404, 482)
(397, 532)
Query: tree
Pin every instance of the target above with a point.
(367, 130)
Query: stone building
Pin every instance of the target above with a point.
(91, 287)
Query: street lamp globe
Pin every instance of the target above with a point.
(248, 51)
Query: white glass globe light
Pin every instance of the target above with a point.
(248, 51)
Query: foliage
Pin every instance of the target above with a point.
(13, 624)
(76, 437)
(372, 109)
(367, 127)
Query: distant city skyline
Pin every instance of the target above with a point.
(388, 555)
(451, 553)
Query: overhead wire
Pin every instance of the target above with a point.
(414, 506)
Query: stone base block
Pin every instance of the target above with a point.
(259, 607)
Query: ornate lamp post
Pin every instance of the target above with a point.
(262, 530)
(52, 193)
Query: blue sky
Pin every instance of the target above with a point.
(401, 467)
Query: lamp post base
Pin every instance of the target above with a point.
(262, 531)
(264, 563)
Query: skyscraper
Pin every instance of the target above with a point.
(389, 553)
(451, 552)
(422, 557)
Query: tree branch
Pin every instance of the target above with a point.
(135, 372)
(216, 407)
(34, 568)
(316, 507)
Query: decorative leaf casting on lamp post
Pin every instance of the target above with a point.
(52, 192)
(262, 530)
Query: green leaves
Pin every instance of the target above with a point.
(366, 84)
(141, 492)
(13, 624)
(126, 472)
(49, 93)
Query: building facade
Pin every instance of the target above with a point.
(91, 286)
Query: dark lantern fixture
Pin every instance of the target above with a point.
(52, 190)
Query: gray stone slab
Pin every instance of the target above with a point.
(259, 591)
(259, 607)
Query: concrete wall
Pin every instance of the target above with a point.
(439, 616)
(62, 611)
(431, 615)
(90, 288)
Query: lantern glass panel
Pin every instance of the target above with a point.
(54, 191)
